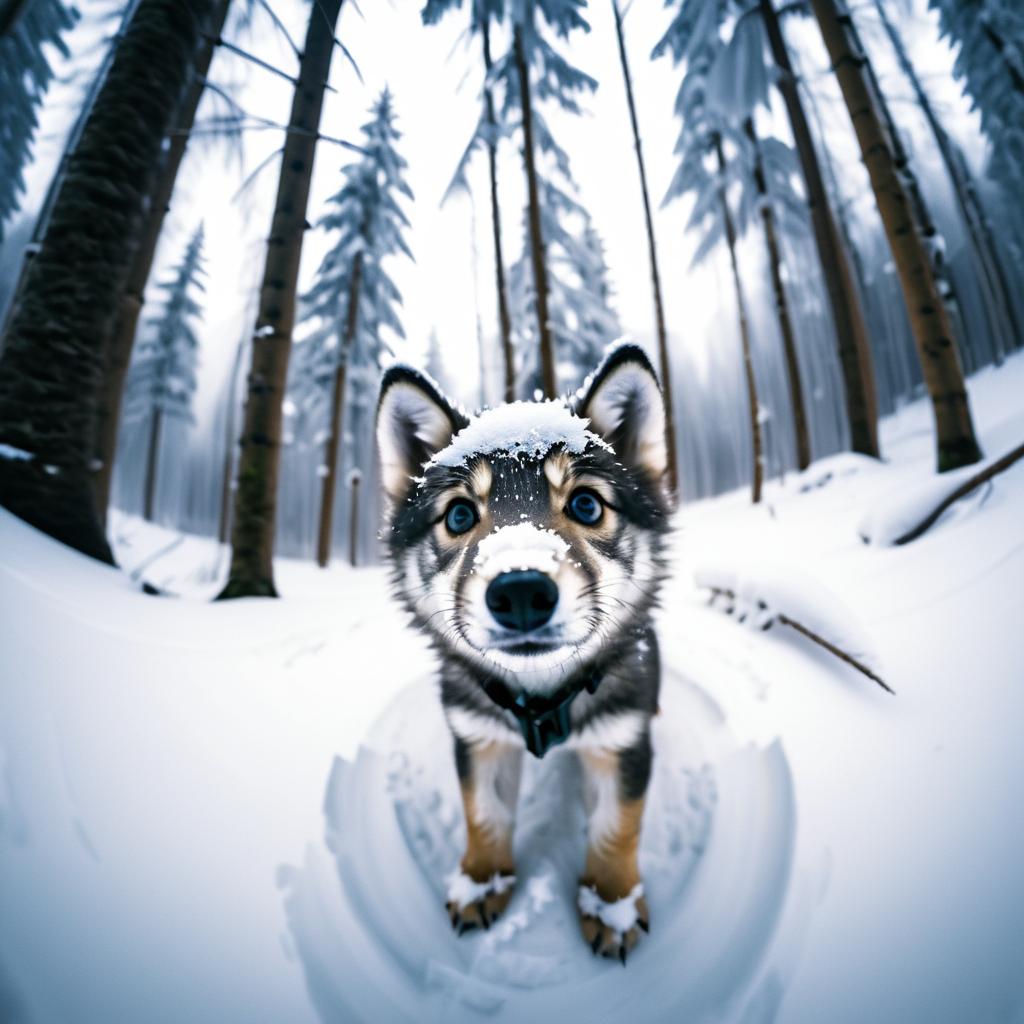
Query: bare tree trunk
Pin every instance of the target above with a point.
(55, 347)
(756, 441)
(929, 318)
(501, 282)
(132, 297)
(255, 505)
(972, 211)
(796, 388)
(549, 378)
(652, 253)
(224, 518)
(335, 424)
(152, 460)
(353, 524)
(847, 314)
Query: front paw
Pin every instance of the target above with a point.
(611, 927)
(477, 904)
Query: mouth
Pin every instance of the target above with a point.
(538, 641)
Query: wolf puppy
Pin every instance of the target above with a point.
(528, 544)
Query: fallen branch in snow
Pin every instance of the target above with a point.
(970, 484)
(767, 618)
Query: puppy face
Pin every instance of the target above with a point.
(527, 540)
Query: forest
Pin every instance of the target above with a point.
(221, 221)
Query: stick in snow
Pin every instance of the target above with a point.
(984, 475)
(811, 635)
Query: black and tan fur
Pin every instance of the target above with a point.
(607, 585)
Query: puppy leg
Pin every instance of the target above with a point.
(611, 903)
(489, 780)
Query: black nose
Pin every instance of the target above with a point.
(522, 600)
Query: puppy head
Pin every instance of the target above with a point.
(529, 539)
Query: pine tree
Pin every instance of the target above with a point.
(54, 349)
(580, 314)
(162, 379)
(25, 76)
(255, 504)
(990, 61)
(556, 80)
(703, 172)
(353, 298)
(483, 15)
(660, 330)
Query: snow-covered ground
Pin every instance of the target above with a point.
(245, 812)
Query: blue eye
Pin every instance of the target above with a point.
(460, 517)
(585, 507)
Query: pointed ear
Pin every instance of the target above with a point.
(414, 420)
(624, 405)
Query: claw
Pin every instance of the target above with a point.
(485, 919)
(596, 944)
(622, 953)
(643, 925)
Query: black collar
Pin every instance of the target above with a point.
(543, 719)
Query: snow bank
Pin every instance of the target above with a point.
(519, 429)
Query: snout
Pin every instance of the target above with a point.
(523, 601)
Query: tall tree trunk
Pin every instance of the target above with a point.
(847, 314)
(652, 254)
(152, 463)
(130, 302)
(54, 353)
(353, 522)
(549, 378)
(796, 388)
(979, 228)
(756, 441)
(501, 281)
(335, 424)
(224, 517)
(933, 332)
(255, 505)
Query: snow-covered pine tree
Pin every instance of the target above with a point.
(353, 298)
(990, 34)
(535, 73)
(25, 75)
(580, 313)
(162, 378)
(483, 15)
(703, 172)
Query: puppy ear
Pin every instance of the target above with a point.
(623, 403)
(414, 420)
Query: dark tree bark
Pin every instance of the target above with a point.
(993, 280)
(501, 280)
(933, 331)
(652, 254)
(549, 380)
(255, 504)
(54, 351)
(757, 452)
(847, 314)
(335, 423)
(132, 298)
(152, 463)
(353, 523)
(796, 388)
